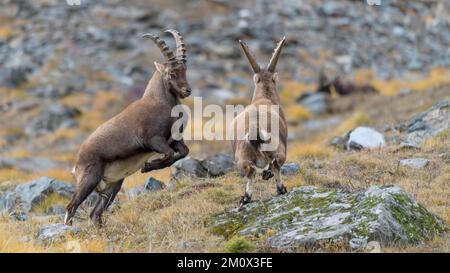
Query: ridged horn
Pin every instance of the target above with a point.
(275, 56)
(251, 59)
(181, 46)
(162, 46)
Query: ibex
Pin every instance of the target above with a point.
(125, 143)
(247, 152)
(342, 87)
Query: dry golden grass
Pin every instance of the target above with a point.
(309, 150)
(6, 31)
(51, 200)
(13, 175)
(11, 241)
(295, 114)
(436, 77)
(138, 178)
(105, 105)
(18, 153)
(60, 174)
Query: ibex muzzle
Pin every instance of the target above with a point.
(125, 143)
(266, 102)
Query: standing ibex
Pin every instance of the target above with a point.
(247, 152)
(122, 145)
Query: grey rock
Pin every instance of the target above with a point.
(218, 164)
(135, 192)
(373, 247)
(427, 124)
(321, 124)
(34, 192)
(7, 202)
(150, 185)
(47, 91)
(189, 166)
(317, 103)
(416, 163)
(406, 145)
(290, 168)
(54, 117)
(14, 76)
(153, 185)
(365, 138)
(29, 164)
(311, 216)
(52, 233)
(339, 142)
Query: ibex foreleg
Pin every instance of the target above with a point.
(174, 152)
(281, 188)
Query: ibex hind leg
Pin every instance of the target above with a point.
(89, 180)
(106, 198)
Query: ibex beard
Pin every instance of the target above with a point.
(125, 143)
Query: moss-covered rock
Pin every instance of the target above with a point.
(312, 216)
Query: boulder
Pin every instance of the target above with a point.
(218, 164)
(311, 217)
(34, 192)
(317, 102)
(135, 192)
(153, 184)
(150, 185)
(416, 163)
(290, 168)
(339, 142)
(190, 167)
(52, 233)
(365, 138)
(7, 202)
(427, 124)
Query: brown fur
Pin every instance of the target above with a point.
(343, 88)
(122, 145)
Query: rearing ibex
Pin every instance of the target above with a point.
(247, 152)
(123, 145)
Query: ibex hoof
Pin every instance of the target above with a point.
(245, 200)
(267, 174)
(149, 167)
(281, 190)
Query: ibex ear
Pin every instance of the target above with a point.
(275, 77)
(159, 67)
(256, 78)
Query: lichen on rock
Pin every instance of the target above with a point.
(311, 216)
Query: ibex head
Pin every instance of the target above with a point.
(173, 70)
(264, 78)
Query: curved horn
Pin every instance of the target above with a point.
(275, 56)
(251, 59)
(181, 46)
(162, 46)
